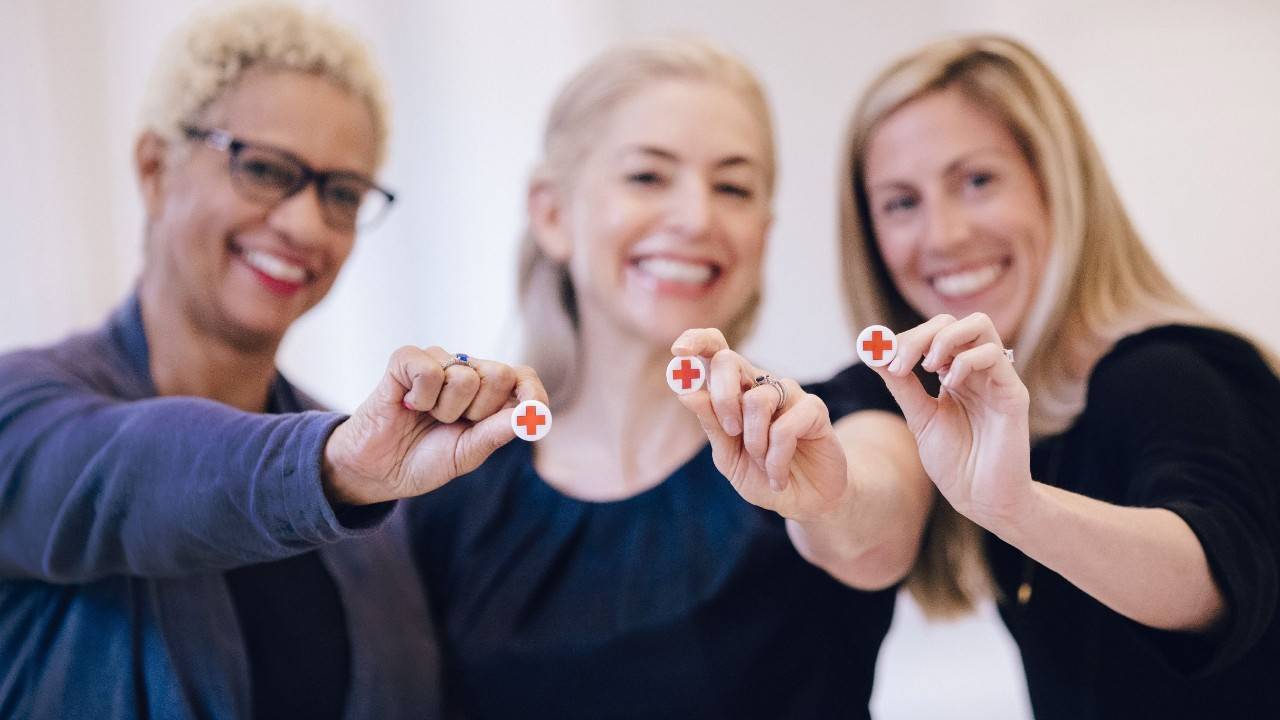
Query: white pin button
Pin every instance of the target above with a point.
(877, 345)
(686, 374)
(531, 420)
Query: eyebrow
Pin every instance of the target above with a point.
(654, 151)
(948, 170)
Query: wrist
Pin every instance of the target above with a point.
(1021, 519)
(342, 485)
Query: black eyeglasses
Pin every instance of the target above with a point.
(268, 175)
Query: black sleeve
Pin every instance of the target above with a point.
(1190, 437)
(855, 388)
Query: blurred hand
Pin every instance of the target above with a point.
(974, 438)
(423, 426)
(786, 459)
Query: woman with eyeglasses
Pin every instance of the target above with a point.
(182, 532)
(1114, 483)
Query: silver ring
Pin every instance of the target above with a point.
(768, 379)
(1008, 353)
(458, 359)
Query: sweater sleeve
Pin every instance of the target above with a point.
(1192, 439)
(92, 486)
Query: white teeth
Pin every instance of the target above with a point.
(275, 267)
(968, 282)
(673, 270)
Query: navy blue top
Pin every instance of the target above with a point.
(120, 515)
(1187, 419)
(681, 601)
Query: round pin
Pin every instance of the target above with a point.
(686, 374)
(877, 345)
(531, 420)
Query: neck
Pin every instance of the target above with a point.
(625, 431)
(187, 359)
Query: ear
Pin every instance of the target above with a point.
(547, 218)
(149, 161)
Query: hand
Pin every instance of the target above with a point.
(424, 426)
(974, 438)
(786, 459)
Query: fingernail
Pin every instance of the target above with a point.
(406, 404)
(895, 366)
(929, 362)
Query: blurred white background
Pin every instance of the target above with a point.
(1183, 98)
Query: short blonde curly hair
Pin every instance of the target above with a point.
(208, 56)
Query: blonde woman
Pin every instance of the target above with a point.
(182, 532)
(644, 560)
(1124, 468)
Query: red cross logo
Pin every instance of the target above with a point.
(686, 374)
(877, 345)
(530, 420)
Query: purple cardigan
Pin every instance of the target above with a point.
(119, 512)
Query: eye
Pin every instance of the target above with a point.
(268, 172)
(979, 180)
(346, 195)
(898, 204)
(734, 190)
(647, 177)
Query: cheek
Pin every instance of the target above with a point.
(895, 251)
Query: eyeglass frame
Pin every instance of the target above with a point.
(224, 141)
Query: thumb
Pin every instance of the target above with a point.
(478, 442)
(917, 404)
(699, 403)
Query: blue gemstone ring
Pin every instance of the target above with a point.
(458, 359)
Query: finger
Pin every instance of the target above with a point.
(989, 359)
(916, 403)
(699, 404)
(478, 442)
(461, 383)
(497, 380)
(728, 374)
(759, 404)
(957, 337)
(528, 386)
(414, 378)
(914, 343)
(700, 341)
(807, 419)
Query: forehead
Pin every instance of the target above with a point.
(309, 115)
(701, 121)
(928, 133)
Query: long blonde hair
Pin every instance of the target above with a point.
(1100, 283)
(548, 302)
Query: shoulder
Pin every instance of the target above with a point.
(1196, 378)
(854, 388)
(1180, 360)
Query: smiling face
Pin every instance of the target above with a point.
(957, 211)
(663, 223)
(241, 269)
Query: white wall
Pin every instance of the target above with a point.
(1182, 98)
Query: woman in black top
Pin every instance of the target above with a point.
(611, 570)
(1125, 472)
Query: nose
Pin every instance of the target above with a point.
(300, 218)
(948, 225)
(689, 208)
